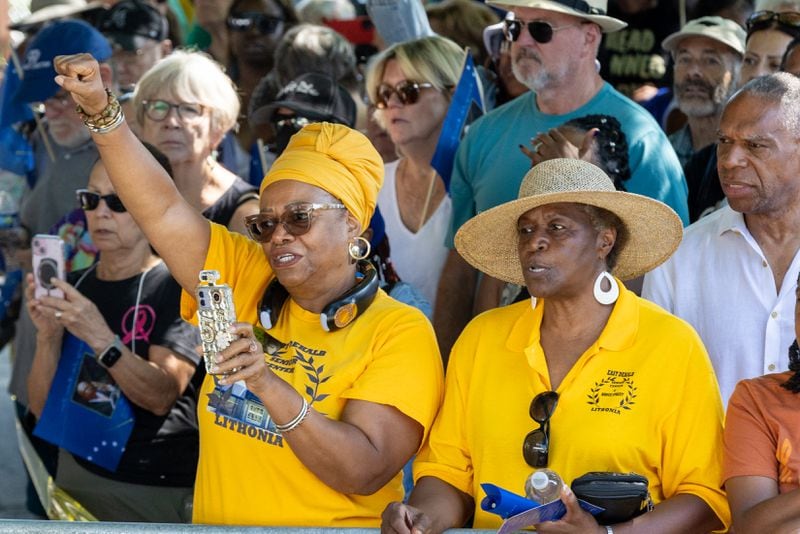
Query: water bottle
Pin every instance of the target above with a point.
(543, 486)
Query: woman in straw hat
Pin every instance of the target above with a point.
(308, 418)
(584, 377)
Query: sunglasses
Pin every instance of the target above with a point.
(158, 110)
(90, 200)
(536, 447)
(760, 19)
(265, 24)
(296, 220)
(407, 92)
(539, 30)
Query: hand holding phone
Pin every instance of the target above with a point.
(48, 263)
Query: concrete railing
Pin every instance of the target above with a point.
(18, 526)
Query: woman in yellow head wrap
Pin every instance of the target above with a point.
(329, 386)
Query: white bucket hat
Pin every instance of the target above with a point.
(591, 10)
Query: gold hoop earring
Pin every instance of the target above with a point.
(358, 248)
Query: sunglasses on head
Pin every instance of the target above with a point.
(760, 19)
(265, 24)
(296, 220)
(90, 200)
(536, 447)
(407, 92)
(539, 30)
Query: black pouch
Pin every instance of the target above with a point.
(623, 495)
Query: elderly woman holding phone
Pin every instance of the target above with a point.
(585, 376)
(348, 381)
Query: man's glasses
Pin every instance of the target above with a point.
(265, 24)
(158, 110)
(90, 200)
(761, 19)
(407, 92)
(536, 447)
(296, 220)
(539, 30)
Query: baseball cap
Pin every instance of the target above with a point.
(719, 29)
(128, 23)
(312, 95)
(58, 38)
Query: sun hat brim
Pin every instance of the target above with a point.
(489, 240)
(606, 23)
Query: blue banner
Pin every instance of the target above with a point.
(86, 412)
(469, 91)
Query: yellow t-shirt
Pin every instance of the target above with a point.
(642, 398)
(388, 355)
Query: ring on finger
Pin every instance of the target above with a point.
(253, 345)
(536, 146)
(58, 314)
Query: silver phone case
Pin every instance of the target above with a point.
(215, 315)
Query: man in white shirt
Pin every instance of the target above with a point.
(733, 276)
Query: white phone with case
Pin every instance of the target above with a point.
(48, 263)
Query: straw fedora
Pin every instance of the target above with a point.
(591, 10)
(488, 241)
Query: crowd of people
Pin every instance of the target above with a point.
(614, 258)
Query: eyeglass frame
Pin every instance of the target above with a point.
(112, 201)
(752, 25)
(510, 34)
(177, 107)
(382, 102)
(255, 221)
(533, 444)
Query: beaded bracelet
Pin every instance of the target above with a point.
(107, 120)
(294, 423)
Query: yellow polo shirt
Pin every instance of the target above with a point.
(249, 475)
(642, 398)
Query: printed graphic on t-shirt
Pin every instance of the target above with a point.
(139, 327)
(614, 393)
(236, 408)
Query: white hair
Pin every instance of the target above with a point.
(191, 77)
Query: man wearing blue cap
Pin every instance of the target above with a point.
(74, 153)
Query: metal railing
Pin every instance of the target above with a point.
(23, 526)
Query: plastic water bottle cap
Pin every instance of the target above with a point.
(540, 480)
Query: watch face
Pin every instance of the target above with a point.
(110, 356)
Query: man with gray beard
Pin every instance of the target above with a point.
(554, 44)
(707, 53)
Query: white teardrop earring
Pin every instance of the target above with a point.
(606, 297)
(533, 302)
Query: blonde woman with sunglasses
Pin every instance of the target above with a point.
(410, 84)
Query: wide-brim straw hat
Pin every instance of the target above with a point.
(489, 240)
(591, 10)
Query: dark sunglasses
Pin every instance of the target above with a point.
(265, 24)
(760, 19)
(296, 220)
(407, 92)
(536, 447)
(90, 200)
(539, 30)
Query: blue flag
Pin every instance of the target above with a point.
(12, 110)
(85, 412)
(468, 91)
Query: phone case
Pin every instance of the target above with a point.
(215, 315)
(48, 262)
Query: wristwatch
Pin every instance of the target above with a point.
(111, 354)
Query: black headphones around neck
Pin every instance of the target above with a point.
(338, 314)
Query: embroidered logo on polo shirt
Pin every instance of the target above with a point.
(613, 393)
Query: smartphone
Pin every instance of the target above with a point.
(48, 263)
(215, 315)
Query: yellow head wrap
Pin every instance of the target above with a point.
(338, 159)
